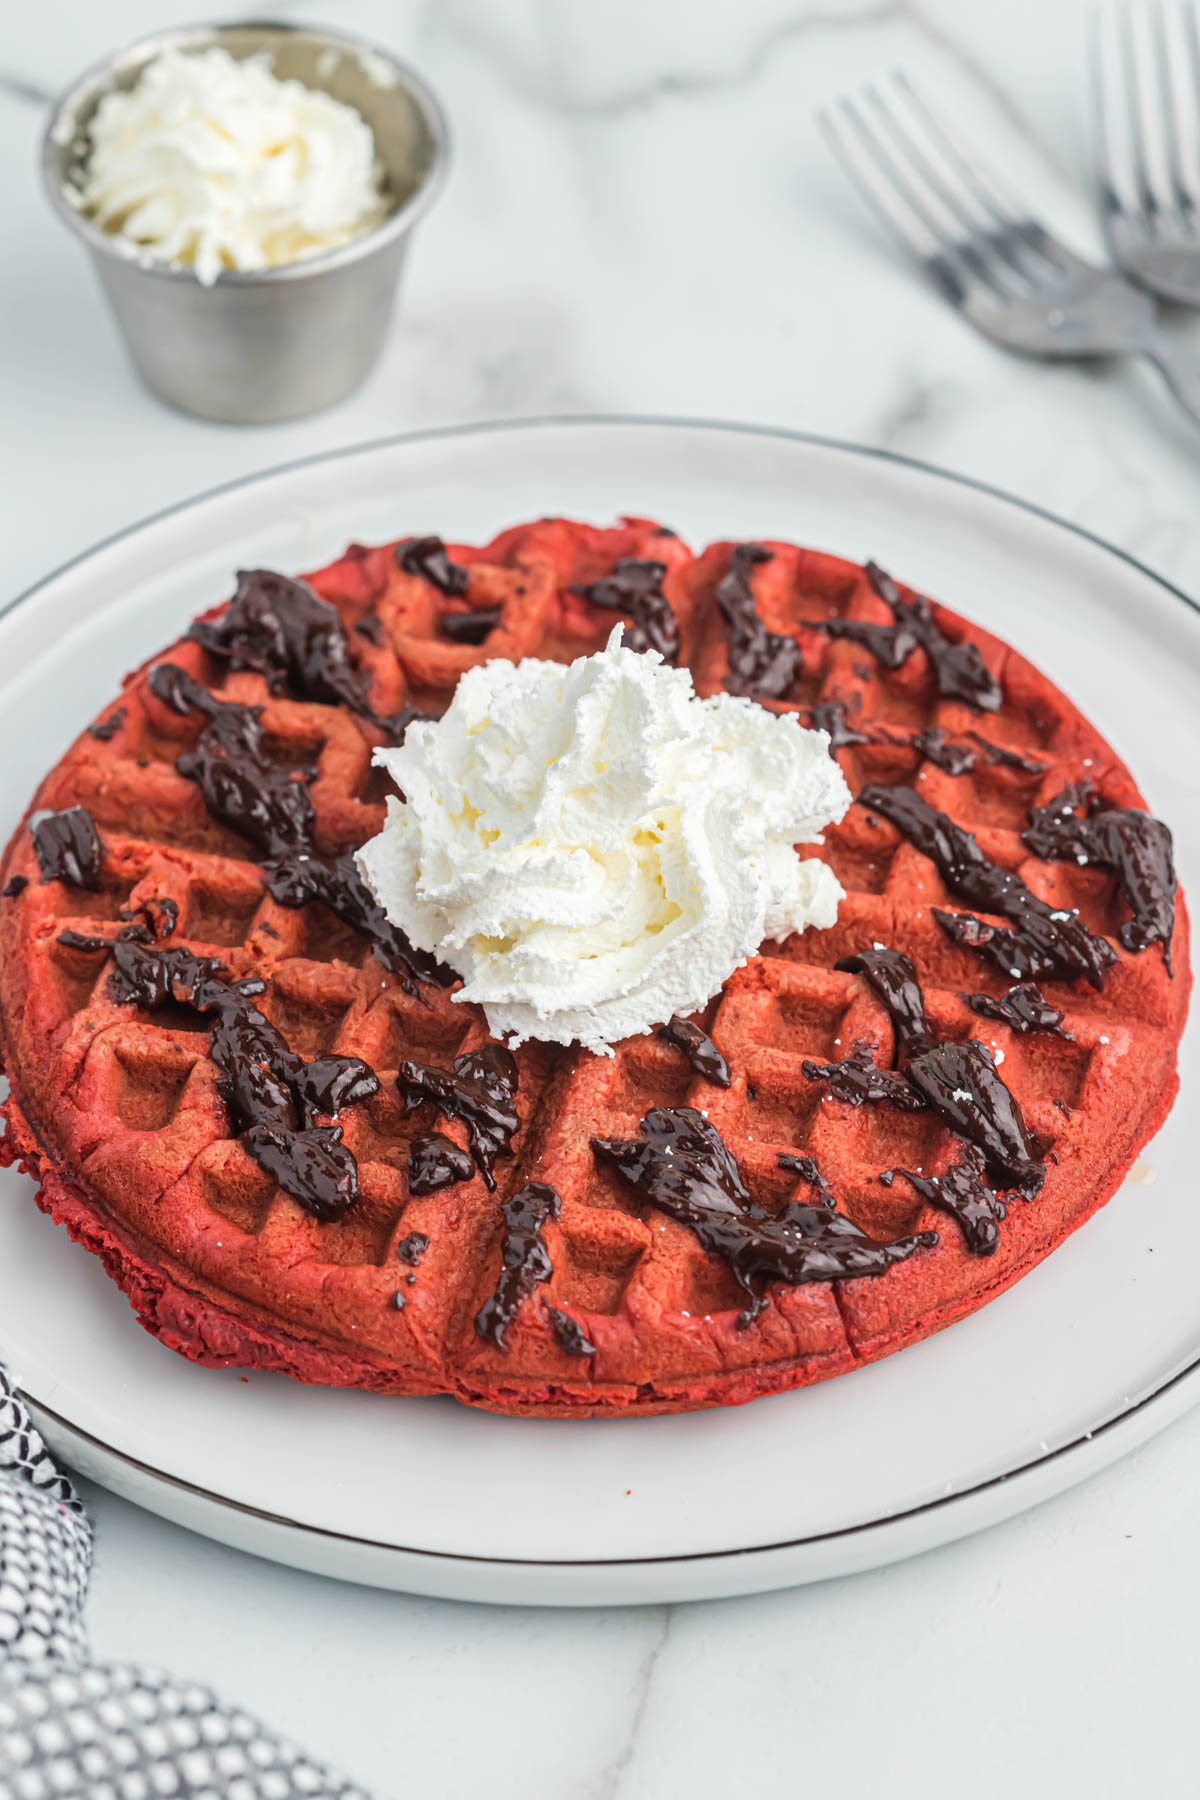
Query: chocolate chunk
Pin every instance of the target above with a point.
(1044, 942)
(473, 626)
(370, 626)
(568, 1333)
(436, 1162)
(635, 587)
(1137, 848)
(67, 846)
(272, 1096)
(963, 1193)
(698, 1047)
(105, 729)
(762, 663)
(524, 1258)
(958, 669)
(412, 1248)
(1024, 1008)
(429, 558)
(858, 1078)
(682, 1165)
(16, 884)
(480, 1090)
(84, 940)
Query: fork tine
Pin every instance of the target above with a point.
(1170, 117)
(1116, 173)
(868, 166)
(954, 202)
(998, 201)
(1139, 114)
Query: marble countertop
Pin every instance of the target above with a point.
(643, 218)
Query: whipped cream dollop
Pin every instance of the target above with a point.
(592, 848)
(215, 162)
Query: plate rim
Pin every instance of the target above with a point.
(1075, 1447)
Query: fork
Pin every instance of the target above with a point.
(983, 248)
(1146, 102)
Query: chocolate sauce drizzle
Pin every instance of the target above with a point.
(269, 806)
(436, 1162)
(698, 1047)
(937, 748)
(569, 1334)
(67, 846)
(806, 1168)
(963, 1193)
(412, 1248)
(272, 1096)
(429, 558)
(1009, 759)
(858, 1078)
(524, 1257)
(16, 884)
(272, 808)
(295, 880)
(635, 587)
(959, 1081)
(480, 1090)
(762, 663)
(833, 716)
(106, 729)
(294, 639)
(1023, 1008)
(1045, 941)
(958, 669)
(1137, 848)
(473, 626)
(682, 1165)
(370, 626)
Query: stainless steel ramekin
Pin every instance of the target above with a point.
(279, 343)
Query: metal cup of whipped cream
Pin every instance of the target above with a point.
(254, 346)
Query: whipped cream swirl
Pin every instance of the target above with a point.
(215, 162)
(593, 848)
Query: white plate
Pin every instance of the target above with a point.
(1087, 1356)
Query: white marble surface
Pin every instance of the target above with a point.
(643, 218)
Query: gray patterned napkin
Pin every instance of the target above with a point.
(73, 1729)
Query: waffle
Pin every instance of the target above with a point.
(564, 1290)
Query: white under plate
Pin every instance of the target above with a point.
(1086, 1357)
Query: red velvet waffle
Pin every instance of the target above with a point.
(118, 1111)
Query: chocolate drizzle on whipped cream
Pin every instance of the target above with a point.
(682, 1165)
(958, 669)
(1079, 826)
(525, 1260)
(480, 1090)
(698, 1047)
(272, 1096)
(429, 558)
(67, 846)
(1045, 941)
(959, 1081)
(271, 807)
(635, 587)
(762, 664)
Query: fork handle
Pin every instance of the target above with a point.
(1181, 373)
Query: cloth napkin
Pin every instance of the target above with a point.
(74, 1729)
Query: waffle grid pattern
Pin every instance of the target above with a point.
(120, 1110)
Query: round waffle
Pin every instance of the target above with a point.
(847, 1194)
